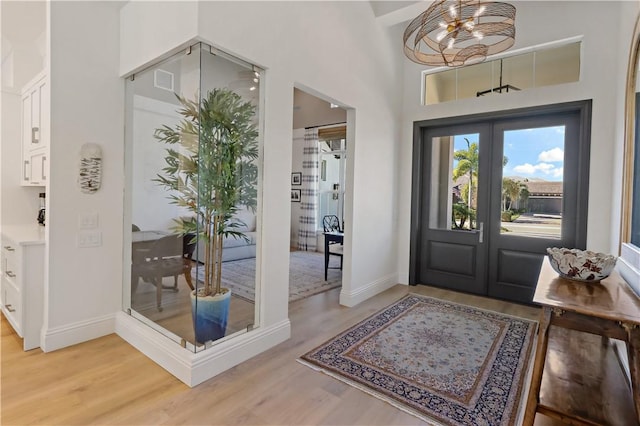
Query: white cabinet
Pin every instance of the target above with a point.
(22, 283)
(35, 131)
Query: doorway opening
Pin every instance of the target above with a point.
(318, 188)
(491, 192)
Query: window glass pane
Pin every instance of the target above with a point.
(532, 182)
(517, 72)
(331, 178)
(454, 182)
(635, 207)
(183, 158)
(513, 73)
(556, 66)
(474, 79)
(440, 87)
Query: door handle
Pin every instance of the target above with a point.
(34, 137)
(480, 232)
(26, 164)
(9, 307)
(10, 274)
(44, 177)
(9, 248)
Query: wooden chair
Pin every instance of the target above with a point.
(331, 223)
(168, 256)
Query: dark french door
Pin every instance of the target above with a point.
(491, 193)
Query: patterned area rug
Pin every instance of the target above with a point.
(441, 361)
(306, 275)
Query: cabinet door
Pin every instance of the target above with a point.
(26, 138)
(37, 168)
(35, 130)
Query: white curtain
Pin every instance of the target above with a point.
(309, 192)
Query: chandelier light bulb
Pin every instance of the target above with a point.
(452, 40)
(441, 35)
(480, 11)
(452, 11)
(478, 35)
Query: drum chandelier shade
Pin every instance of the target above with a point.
(460, 32)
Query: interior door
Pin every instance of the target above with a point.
(452, 251)
(538, 199)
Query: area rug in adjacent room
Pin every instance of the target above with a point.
(443, 362)
(306, 275)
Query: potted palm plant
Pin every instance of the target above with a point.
(211, 171)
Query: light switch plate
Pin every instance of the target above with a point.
(88, 220)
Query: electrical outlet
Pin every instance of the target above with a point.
(89, 239)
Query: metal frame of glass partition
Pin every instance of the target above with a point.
(164, 266)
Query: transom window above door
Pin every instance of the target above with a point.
(541, 66)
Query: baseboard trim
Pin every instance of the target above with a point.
(60, 337)
(363, 293)
(194, 368)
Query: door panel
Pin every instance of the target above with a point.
(535, 181)
(452, 253)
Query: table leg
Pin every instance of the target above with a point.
(326, 256)
(538, 367)
(633, 350)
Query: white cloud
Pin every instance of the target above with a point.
(554, 155)
(540, 168)
(526, 168)
(558, 173)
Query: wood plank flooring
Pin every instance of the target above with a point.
(106, 381)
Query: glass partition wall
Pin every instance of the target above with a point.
(192, 163)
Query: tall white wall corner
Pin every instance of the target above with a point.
(139, 19)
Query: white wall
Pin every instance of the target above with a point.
(151, 209)
(291, 40)
(87, 105)
(603, 73)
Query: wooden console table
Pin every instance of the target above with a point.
(609, 309)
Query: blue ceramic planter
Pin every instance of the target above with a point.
(210, 315)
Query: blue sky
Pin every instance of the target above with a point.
(532, 153)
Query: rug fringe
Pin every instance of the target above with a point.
(384, 398)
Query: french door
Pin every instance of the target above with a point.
(491, 193)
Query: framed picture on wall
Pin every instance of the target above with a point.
(296, 178)
(295, 195)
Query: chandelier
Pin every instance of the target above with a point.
(460, 32)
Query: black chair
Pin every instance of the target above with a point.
(333, 243)
(135, 228)
(168, 256)
(331, 223)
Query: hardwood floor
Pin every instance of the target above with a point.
(106, 381)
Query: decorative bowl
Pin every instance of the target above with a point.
(581, 265)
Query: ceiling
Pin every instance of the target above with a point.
(23, 21)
